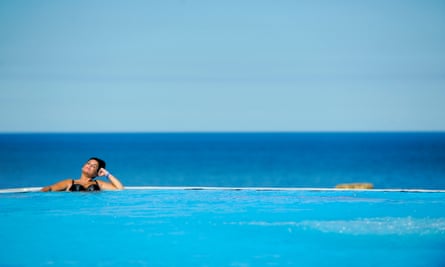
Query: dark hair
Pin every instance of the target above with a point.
(101, 163)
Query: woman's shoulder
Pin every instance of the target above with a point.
(59, 186)
(66, 182)
(106, 185)
(100, 182)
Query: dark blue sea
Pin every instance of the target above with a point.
(387, 160)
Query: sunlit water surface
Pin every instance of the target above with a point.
(223, 228)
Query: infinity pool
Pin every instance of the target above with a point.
(220, 227)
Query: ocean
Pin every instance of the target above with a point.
(387, 160)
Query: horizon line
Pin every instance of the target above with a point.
(220, 132)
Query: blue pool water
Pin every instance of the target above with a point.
(223, 228)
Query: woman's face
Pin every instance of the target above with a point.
(91, 168)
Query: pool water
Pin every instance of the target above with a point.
(223, 228)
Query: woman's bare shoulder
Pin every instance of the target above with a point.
(59, 186)
(106, 185)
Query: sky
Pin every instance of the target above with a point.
(217, 66)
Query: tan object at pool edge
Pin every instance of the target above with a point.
(355, 186)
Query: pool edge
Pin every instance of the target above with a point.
(36, 189)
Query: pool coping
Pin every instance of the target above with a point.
(37, 189)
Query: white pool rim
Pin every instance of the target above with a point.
(36, 189)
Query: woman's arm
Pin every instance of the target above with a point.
(59, 186)
(114, 183)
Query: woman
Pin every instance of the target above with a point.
(92, 168)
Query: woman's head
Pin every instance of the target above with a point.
(92, 166)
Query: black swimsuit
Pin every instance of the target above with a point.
(78, 187)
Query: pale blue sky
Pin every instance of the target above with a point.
(124, 66)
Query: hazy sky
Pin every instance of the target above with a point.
(95, 66)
